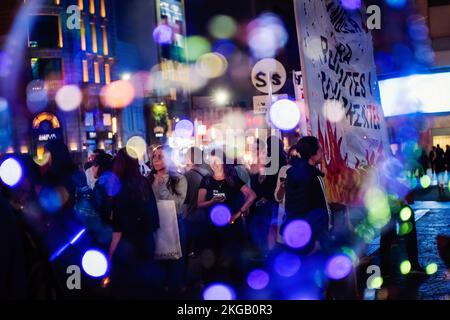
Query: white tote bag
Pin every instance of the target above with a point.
(167, 237)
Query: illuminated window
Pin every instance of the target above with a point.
(102, 9)
(91, 7)
(94, 38)
(83, 35)
(60, 36)
(81, 4)
(96, 73)
(105, 41)
(107, 73)
(85, 71)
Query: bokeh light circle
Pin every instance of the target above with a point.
(136, 147)
(222, 27)
(118, 94)
(219, 291)
(431, 268)
(285, 114)
(339, 267)
(11, 172)
(211, 65)
(258, 279)
(297, 234)
(405, 213)
(94, 263)
(68, 98)
(184, 129)
(287, 264)
(196, 47)
(405, 267)
(425, 181)
(163, 34)
(220, 215)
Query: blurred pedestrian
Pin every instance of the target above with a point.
(264, 210)
(431, 158)
(305, 193)
(134, 220)
(440, 169)
(281, 188)
(168, 185)
(231, 198)
(196, 219)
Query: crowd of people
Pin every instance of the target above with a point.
(152, 220)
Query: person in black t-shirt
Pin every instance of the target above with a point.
(226, 242)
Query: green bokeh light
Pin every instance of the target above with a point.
(377, 204)
(432, 268)
(405, 213)
(405, 267)
(222, 27)
(425, 182)
(405, 228)
(197, 46)
(376, 283)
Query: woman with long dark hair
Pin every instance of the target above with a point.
(168, 185)
(134, 219)
(225, 196)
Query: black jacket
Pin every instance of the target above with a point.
(305, 198)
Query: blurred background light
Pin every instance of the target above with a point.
(220, 215)
(11, 172)
(219, 292)
(196, 46)
(339, 267)
(163, 34)
(297, 234)
(285, 114)
(221, 97)
(184, 129)
(396, 3)
(427, 93)
(425, 181)
(211, 65)
(266, 35)
(431, 268)
(94, 263)
(3, 104)
(118, 94)
(68, 98)
(405, 213)
(258, 279)
(136, 147)
(287, 264)
(37, 96)
(405, 267)
(222, 27)
(351, 4)
(377, 204)
(334, 111)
